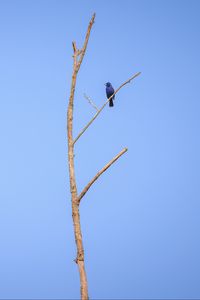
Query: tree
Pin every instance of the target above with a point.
(78, 55)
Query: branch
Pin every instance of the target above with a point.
(74, 46)
(91, 102)
(96, 115)
(84, 191)
(82, 51)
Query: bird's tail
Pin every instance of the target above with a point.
(111, 102)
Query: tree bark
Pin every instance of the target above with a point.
(75, 205)
(73, 189)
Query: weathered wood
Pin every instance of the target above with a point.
(87, 187)
(75, 205)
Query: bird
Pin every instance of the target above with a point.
(109, 92)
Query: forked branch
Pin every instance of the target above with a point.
(84, 191)
(98, 112)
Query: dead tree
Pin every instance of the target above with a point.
(78, 55)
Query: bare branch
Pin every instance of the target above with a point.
(82, 51)
(74, 46)
(84, 191)
(91, 102)
(96, 115)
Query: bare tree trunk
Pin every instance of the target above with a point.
(76, 199)
(75, 203)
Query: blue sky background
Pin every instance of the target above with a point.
(141, 219)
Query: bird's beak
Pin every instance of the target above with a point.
(104, 83)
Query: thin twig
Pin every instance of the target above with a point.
(74, 46)
(96, 115)
(91, 102)
(84, 191)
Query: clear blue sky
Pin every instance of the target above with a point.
(141, 219)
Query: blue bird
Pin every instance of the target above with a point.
(109, 92)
